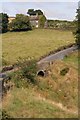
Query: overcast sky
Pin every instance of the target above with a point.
(52, 10)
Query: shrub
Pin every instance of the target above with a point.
(28, 70)
(20, 23)
(64, 71)
(26, 74)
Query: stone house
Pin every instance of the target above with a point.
(34, 20)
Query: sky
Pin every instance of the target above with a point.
(52, 10)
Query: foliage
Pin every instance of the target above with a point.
(42, 20)
(3, 22)
(77, 33)
(61, 24)
(31, 12)
(39, 12)
(64, 71)
(26, 74)
(28, 69)
(34, 12)
(18, 79)
(20, 23)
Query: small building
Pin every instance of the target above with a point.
(34, 20)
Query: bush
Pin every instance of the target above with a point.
(20, 23)
(64, 71)
(26, 74)
(29, 70)
(61, 24)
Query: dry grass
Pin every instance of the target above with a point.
(25, 102)
(63, 89)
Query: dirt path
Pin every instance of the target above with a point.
(59, 105)
(58, 55)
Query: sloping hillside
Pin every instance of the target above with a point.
(53, 96)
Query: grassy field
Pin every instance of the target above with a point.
(32, 44)
(36, 100)
(25, 102)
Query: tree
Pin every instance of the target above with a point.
(3, 22)
(39, 12)
(31, 12)
(77, 33)
(42, 20)
(20, 23)
(34, 12)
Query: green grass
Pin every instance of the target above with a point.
(33, 44)
(73, 59)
